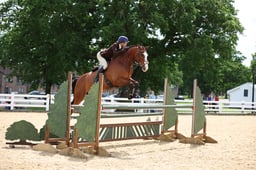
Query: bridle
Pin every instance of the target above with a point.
(141, 53)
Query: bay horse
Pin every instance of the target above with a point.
(118, 73)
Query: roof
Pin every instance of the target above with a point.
(238, 87)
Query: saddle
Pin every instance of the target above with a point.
(96, 68)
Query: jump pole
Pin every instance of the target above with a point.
(97, 140)
(169, 115)
(166, 125)
(69, 112)
(165, 102)
(165, 105)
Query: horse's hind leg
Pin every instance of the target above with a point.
(133, 87)
(83, 85)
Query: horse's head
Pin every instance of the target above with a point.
(140, 57)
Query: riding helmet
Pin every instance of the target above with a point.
(122, 39)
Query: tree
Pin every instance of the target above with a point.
(253, 72)
(57, 37)
(253, 64)
(231, 74)
(205, 29)
(44, 40)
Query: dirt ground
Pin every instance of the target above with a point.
(236, 148)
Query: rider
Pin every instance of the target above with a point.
(114, 50)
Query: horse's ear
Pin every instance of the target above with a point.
(147, 47)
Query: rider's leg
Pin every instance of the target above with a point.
(102, 66)
(100, 70)
(102, 61)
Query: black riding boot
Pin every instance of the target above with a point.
(100, 70)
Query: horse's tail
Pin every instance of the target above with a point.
(74, 84)
(73, 87)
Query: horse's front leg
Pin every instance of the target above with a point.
(133, 86)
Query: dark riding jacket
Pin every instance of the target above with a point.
(113, 51)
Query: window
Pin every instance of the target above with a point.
(8, 80)
(21, 90)
(19, 82)
(245, 92)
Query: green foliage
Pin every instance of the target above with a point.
(22, 130)
(43, 40)
(57, 116)
(211, 31)
(42, 133)
(232, 74)
(159, 69)
(86, 122)
(171, 116)
(253, 65)
(199, 117)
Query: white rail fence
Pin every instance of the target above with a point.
(24, 102)
(211, 107)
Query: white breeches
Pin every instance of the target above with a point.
(102, 61)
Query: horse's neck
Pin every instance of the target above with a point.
(125, 59)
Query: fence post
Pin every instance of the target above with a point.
(141, 101)
(220, 106)
(12, 101)
(242, 107)
(48, 99)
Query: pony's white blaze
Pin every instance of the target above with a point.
(145, 67)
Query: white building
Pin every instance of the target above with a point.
(242, 93)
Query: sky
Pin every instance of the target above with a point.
(247, 41)
(247, 16)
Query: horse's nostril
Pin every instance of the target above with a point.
(144, 69)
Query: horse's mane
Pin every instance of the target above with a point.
(131, 46)
(127, 48)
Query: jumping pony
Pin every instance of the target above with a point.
(118, 74)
